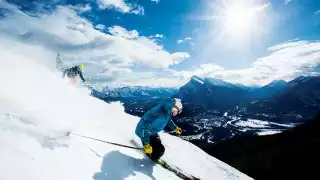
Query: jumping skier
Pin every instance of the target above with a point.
(73, 72)
(154, 121)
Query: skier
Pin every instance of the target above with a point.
(73, 72)
(154, 121)
(59, 62)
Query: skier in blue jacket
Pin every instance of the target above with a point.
(154, 121)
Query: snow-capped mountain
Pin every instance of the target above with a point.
(297, 100)
(301, 79)
(138, 92)
(300, 100)
(34, 145)
(212, 93)
(214, 82)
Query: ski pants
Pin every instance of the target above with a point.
(157, 147)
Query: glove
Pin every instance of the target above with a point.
(178, 131)
(147, 148)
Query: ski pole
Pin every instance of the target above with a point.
(103, 141)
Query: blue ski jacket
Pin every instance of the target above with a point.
(155, 120)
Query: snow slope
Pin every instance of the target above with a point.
(37, 107)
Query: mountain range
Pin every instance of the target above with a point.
(135, 92)
(297, 99)
(215, 110)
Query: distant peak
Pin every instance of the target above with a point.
(278, 82)
(197, 79)
(302, 79)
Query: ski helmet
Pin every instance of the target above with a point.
(178, 105)
(81, 67)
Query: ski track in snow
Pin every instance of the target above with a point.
(37, 107)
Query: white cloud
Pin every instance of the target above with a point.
(160, 36)
(81, 8)
(121, 6)
(287, 2)
(156, 1)
(106, 56)
(286, 61)
(122, 32)
(100, 26)
(184, 40)
(317, 12)
(179, 56)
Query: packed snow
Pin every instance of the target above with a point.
(37, 107)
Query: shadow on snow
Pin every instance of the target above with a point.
(118, 166)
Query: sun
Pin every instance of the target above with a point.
(238, 18)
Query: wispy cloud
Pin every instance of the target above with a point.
(180, 41)
(317, 12)
(121, 6)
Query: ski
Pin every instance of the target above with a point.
(168, 167)
(175, 170)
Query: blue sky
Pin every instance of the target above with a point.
(165, 42)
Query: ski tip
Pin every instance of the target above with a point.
(195, 178)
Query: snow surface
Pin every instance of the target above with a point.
(269, 132)
(37, 106)
(283, 125)
(255, 123)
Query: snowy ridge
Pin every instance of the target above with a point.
(197, 79)
(219, 82)
(37, 107)
(138, 91)
(277, 83)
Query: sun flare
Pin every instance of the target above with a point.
(238, 21)
(238, 18)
